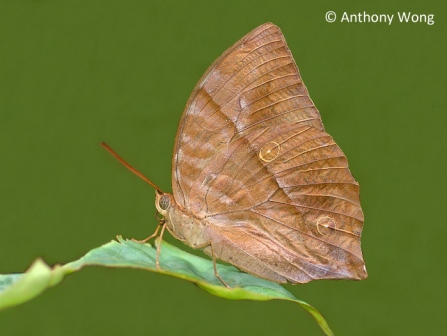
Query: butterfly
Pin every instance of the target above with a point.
(257, 182)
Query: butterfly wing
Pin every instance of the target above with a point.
(253, 160)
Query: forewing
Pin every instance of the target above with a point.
(251, 156)
(253, 85)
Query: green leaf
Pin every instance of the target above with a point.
(18, 288)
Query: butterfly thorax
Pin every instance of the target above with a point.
(183, 226)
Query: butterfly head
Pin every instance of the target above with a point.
(162, 202)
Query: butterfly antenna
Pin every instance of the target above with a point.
(128, 166)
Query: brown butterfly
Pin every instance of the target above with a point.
(256, 180)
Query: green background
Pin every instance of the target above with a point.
(75, 73)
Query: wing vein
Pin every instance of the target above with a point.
(314, 208)
(237, 72)
(309, 235)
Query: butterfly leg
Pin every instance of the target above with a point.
(162, 225)
(161, 222)
(215, 267)
(150, 237)
(157, 259)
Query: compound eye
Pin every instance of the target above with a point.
(164, 202)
